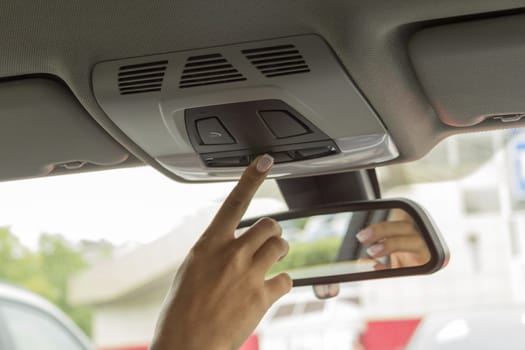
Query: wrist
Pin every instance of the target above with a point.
(188, 342)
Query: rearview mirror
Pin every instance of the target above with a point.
(358, 241)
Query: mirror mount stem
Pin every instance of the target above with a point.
(303, 193)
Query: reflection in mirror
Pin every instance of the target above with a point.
(351, 242)
(326, 291)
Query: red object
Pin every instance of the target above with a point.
(388, 334)
(252, 343)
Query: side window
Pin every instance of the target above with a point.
(31, 329)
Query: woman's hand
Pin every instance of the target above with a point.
(398, 239)
(220, 293)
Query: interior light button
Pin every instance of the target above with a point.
(316, 152)
(212, 132)
(282, 124)
(228, 161)
(281, 157)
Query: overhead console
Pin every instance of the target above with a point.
(473, 71)
(205, 114)
(234, 134)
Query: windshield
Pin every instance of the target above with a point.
(104, 246)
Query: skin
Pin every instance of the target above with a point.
(220, 294)
(399, 238)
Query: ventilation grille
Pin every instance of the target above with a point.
(208, 70)
(141, 78)
(275, 61)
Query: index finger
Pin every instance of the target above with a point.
(230, 213)
(386, 229)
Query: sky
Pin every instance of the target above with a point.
(126, 205)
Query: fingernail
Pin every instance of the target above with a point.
(375, 249)
(286, 253)
(264, 163)
(364, 235)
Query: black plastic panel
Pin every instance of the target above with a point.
(256, 129)
(281, 154)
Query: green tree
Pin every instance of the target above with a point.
(16, 261)
(47, 270)
(308, 254)
(59, 260)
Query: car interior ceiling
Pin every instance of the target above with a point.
(406, 58)
(414, 103)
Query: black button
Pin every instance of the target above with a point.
(315, 152)
(227, 161)
(281, 157)
(282, 124)
(212, 132)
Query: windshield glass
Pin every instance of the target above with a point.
(104, 247)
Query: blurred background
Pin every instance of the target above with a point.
(104, 247)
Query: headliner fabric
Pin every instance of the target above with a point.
(66, 38)
(472, 71)
(38, 137)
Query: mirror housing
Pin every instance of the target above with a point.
(349, 270)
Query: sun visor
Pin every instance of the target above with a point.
(46, 131)
(204, 114)
(473, 71)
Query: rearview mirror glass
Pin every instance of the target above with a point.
(358, 241)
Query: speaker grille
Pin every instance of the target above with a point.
(141, 78)
(208, 70)
(277, 61)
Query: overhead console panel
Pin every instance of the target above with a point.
(205, 114)
(473, 71)
(234, 134)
